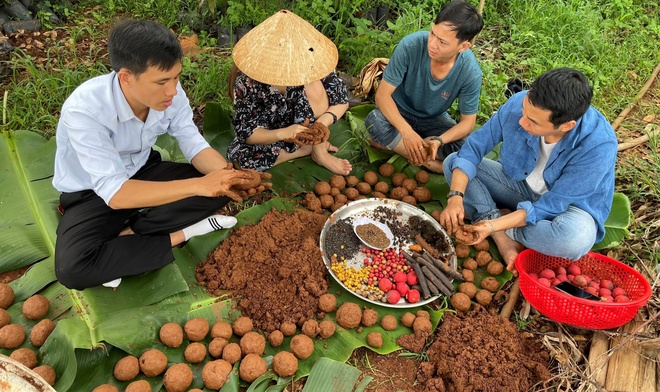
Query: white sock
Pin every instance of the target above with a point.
(112, 283)
(212, 223)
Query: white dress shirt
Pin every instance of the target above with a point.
(101, 143)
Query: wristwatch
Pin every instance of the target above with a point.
(454, 193)
(438, 139)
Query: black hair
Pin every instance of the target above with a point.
(139, 44)
(464, 18)
(565, 92)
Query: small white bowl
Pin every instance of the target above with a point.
(365, 221)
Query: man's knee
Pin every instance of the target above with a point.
(68, 270)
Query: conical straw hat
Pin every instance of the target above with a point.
(285, 50)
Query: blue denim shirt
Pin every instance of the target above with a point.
(579, 172)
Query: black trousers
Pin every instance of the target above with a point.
(89, 250)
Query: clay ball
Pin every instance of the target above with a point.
(484, 297)
(491, 284)
(424, 314)
(470, 264)
(352, 181)
(310, 328)
(460, 302)
(408, 319)
(398, 178)
(171, 334)
(468, 289)
(288, 328)
(6, 295)
(363, 188)
(285, 364)
(483, 258)
(139, 386)
(369, 317)
(11, 336)
(398, 193)
(351, 193)
(153, 362)
(422, 324)
(301, 346)
(105, 388)
(24, 356)
(388, 322)
(216, 346)
(338, 182)
(47, 373)
(313, 204)
(36, 307)
(326, 201)
(232, 353)
(484, 245)
(276, 338)
(409, 184)
(421, 194)
(195, 352)
(386, 169)
(251, 367)
(327, 303)
(5, 318)
(375, 339)
(495, 268)
(462, 251)
(196, 329)
(221, 329)
(370, 178)
(322, 188)
(379, 195)
(349, 315)
(334, 192)
(326, 329)
(126, 368)
(382, 187)
(340, 198)
(41, 331)
(422, 177)
(177, 378)
(253, 343)
(242, 325)
(468, 275)
(410, 200)
(214, 374)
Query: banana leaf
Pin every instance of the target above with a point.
(616, 224)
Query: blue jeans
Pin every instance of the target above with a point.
(386, 135)
(570, 234)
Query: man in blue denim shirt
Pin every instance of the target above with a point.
(556, 172)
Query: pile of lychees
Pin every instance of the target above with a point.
(603, 288)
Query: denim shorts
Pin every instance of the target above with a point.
(385, 134)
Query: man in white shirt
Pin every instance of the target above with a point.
(124, 208)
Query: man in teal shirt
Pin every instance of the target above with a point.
(428, 71)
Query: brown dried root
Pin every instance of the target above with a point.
(315, 134)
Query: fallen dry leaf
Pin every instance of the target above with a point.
(649, 118)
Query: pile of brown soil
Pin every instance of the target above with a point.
(274, 267)
(481, 351)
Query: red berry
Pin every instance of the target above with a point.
(603, 292)
(574, 270)
(544, 282)
(560, 271)
(393, 296)
(411, 278)
(385, 285)
(400, 277)
(607, 284)
(534, 276)
(621, 298)
(413, 296)
(402, 288)
(618, 291)
(547, 273)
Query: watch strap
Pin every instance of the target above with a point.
(454, 193)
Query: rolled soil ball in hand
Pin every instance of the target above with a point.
(465, 237)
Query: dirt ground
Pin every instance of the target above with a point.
(396, 372)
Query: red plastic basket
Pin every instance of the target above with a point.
(583, 313)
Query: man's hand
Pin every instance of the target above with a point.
(220, 183)
(417, 154)
(452, 216)
(432, 149)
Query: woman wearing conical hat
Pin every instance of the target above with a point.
(285, 93)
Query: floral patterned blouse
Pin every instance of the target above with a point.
(261, 105)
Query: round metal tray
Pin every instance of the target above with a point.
(366, 207)
(17, 378)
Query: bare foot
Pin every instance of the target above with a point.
(509, 249)
(434, 166)
(334, 164)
